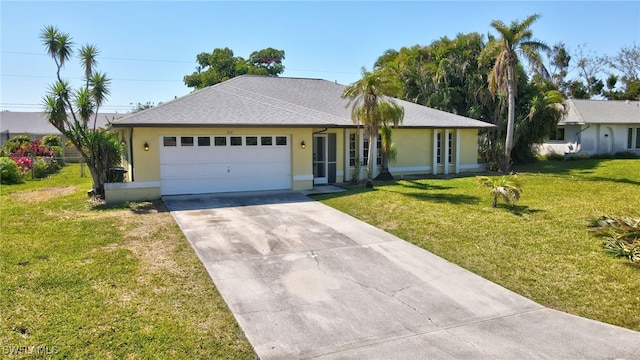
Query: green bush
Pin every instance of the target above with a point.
(51, 140)
(554, 157)
(40, 168)
(9, 172)
(15, 143)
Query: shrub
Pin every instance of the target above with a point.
(9, 172)
(40, 168)
(15, 143)
(554, 157)
(23, 162)
(51, 141)
(625, 155)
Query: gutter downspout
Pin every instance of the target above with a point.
(579, 140)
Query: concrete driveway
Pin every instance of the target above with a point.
(307, 281)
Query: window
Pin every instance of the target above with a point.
(236, 141)
(638, 138)
(630, 138)
(186, 141)
(220, 141)
(450, 147)
(352, 149)
(365, 152)
(169, 141)
(251, 141)
(204, 141)
(281, 140)
(439, 146)
(266, 140)
(558, 134)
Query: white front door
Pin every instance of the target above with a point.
(320, 155)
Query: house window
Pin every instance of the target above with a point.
(281, 140)
(266, 140)
(638, 138)
(439, 148)
(186, 141)
(169, 141)
(204, 141)
(251, 141)
(352, 149)
(236, 141)
(558, 134)
(450, 146)
(220, 141)
(365, 151)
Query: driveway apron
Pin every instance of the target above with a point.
(307, 281)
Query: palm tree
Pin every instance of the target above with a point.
(515, 39)
(372, 108)
(69, 111)
(507, 187)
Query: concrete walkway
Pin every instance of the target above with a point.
(307, 281)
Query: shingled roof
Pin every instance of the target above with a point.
(36, 123)
(601, 112)
(249, 101)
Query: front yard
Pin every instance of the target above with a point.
(540, 248)
(78, 280)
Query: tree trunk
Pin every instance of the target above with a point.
(511, 116)
(370, 157)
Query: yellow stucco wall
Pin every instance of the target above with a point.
(147, 163)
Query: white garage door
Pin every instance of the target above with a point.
(210, 164)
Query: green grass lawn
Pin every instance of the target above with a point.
(81, 280)
(540, 248)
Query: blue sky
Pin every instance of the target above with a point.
(148, 46)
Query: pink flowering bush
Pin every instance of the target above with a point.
(24, 163)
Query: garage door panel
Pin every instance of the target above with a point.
(206, 169)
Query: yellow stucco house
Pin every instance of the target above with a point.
(268, 133)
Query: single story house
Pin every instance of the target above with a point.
(265, 133)
(593, 127)
(36, 125)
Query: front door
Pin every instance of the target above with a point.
(320, 159)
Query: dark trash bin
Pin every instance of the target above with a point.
(116, 174)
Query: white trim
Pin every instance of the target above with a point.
(132, 185)
(435, 152)
(409, 168)
(303, 177)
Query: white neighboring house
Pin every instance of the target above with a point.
(593, 127)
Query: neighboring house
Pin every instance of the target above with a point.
(266, 133)
(596, 127)
(36, 125)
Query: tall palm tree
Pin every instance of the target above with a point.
(515, 39)
(367, 97)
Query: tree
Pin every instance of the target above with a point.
(70, 110)
(627, 62)
(507, 187)
(514, 39)
(372, 108)
(589, 66)
(221, 65)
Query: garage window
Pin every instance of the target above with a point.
(220, 141)
(281, 140)
(204, 141)
(186, 141)
(236, 141)
(169, 141)
(266, 140)
(251, 141)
